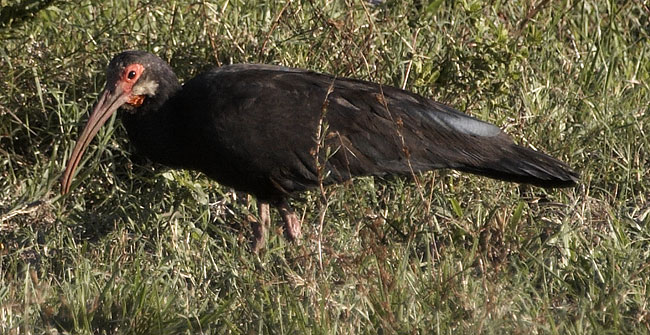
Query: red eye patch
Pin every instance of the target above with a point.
(132, 72)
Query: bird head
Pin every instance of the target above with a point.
(136, 81)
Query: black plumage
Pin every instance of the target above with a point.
(273, 131)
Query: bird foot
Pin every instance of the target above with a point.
(261, 228)
(292, 225)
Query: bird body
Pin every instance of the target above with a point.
(273, 131)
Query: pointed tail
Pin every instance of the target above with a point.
(523, 165)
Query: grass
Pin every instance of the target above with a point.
(138, 249)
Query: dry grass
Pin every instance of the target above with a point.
(137, 249)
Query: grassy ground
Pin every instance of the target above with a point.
(137, 249)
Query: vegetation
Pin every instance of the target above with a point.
(139, 249)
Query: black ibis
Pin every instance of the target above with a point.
(273, 131)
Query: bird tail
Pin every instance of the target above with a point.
(524, 165)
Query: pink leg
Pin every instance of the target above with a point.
(291, 221)
(260, 229)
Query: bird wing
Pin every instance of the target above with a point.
(299, 128)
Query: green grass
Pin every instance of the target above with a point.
(138, 249)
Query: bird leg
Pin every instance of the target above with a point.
(261, 228)
(291, 221)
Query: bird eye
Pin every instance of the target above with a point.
(131, 74)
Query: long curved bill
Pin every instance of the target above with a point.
(109, 102)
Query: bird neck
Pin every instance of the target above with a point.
(153, 128)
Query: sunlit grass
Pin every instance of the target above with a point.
(139, 249)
